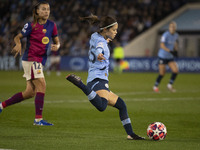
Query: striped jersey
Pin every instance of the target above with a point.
(38, 40)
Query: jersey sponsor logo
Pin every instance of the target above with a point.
(36, 28)
(44, 30)
(100, 45)
(45, 40)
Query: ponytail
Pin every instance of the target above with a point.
(103, 23)
(92, 19)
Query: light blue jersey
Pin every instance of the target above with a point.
(98, 69)
(169, 40)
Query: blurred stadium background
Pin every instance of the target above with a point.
(141, 23)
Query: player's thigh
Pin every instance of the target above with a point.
(110, 96)
(173, 66)
(162, 69)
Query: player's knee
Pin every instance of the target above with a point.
(101, 109)
(120, 104)
(28, 94)
(32, 94)
(176, 71)
(162, 74)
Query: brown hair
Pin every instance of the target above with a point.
(100, 22)
(35, 14)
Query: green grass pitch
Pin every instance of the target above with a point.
(79, 126)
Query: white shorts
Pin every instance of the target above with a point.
(32, 70)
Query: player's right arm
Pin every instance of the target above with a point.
(162, 45)
(162, 42)
(26, 31)
(99, 51)
(18, 48)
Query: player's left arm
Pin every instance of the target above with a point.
(56, 44)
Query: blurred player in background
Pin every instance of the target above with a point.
(55, 58)
(38, 34)
(97, 88)
(118, 55)
(167, 53)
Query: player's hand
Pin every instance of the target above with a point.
(101, 57)
(54, 47)
(108, 40)
(17, 50)
(174, 53)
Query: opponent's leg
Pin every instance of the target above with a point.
(99, 102)
(18, 97)
(126, 122)
(40, 86)
(173, 66)
(162, 71)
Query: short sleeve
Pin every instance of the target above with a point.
(26, 29)
(99, 48)
(55, 31)
(163, 38)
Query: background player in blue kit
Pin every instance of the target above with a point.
(167, 53)
(97, 88)
(38, 33)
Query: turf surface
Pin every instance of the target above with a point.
(78, 125)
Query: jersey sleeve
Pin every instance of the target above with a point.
(99, 48)
(26, 29)
(163, 38)
(55, 31)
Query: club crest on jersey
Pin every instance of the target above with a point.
(106, 85)
(44, 30)
(45, 40)
(38, 71)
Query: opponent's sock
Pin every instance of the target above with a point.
(159, 78)
(126, 122)
(39, 102)
(85, 89)
(12, 100)
(173, 77)
(99, 102)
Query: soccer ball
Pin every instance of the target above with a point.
(157, 131)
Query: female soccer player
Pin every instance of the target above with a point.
(97, 88)
(38, 33)
(167, 53)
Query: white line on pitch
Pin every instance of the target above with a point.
(127, 99)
